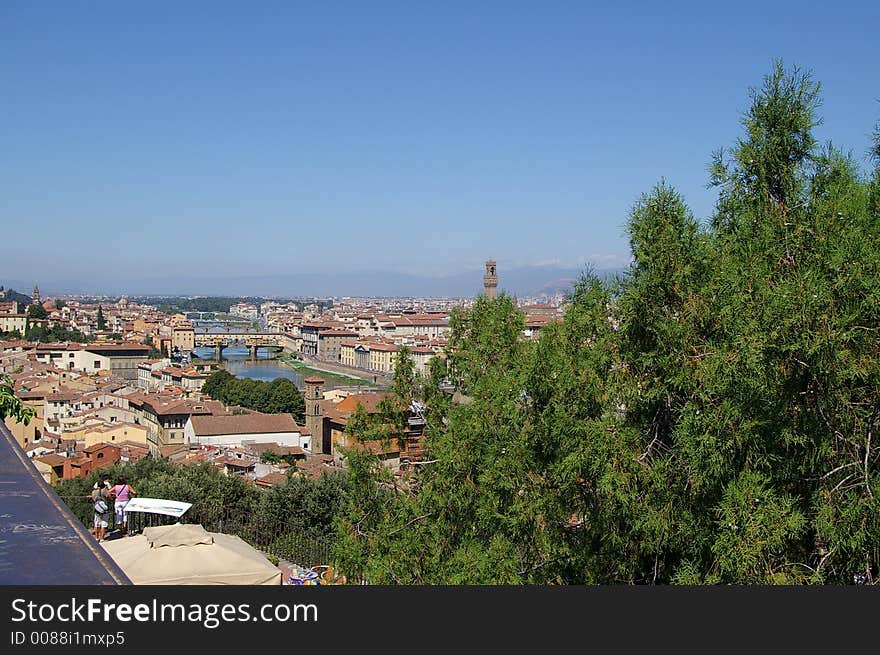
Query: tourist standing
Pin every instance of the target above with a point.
(122, 493)
(101, 500)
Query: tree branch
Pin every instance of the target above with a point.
(409, 523)
(839, 468)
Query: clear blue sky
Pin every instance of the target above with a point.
(278, 137)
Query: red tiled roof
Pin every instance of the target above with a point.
(384, 347)
(52, 459)
(96, 447)
(271, 479)
(278, 449)
(167, 451)
(254, 423)
(232, 461)
(96, 347)
(370, 401)
(63, 397)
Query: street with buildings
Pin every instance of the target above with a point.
(133, 386)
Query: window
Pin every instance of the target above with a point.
(100, 456)
(97, 363)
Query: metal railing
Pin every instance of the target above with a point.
(280, 539)
(271, 536)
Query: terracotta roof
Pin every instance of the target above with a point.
(96, 348)
(370, 401)
(168, 451)
(278, 449)
(232, 461)
(63, 397)
(256, 423)
(7, 345)
(98, 446)
(384, 347)
(31, 395)
(314, 380)
(271, 479)
(52, 460)
(178, 406)
(132, 446)
(48, 347)
(314, 467)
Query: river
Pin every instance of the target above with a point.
(236, 360)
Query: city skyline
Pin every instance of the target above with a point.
(221, 143)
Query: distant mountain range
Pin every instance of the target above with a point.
(525, 282)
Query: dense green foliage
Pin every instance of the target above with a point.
(303, 506)
(36, 311)
(101, 323)
(276, 397)
(10, 405)
(710, 417)
(54, 334)
(220, 304)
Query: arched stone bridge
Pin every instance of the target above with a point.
(253, 340)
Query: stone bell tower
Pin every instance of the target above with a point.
(314, 395)
(490, 279)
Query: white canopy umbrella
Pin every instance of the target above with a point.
(157, 506)
(189, 554)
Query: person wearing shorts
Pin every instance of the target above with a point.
(102, 518)
(104, 485)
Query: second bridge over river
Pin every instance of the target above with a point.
(252, 340)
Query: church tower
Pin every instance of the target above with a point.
(314, 395)
(490, 279)
(36, 295)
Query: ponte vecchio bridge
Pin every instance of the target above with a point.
(253, 340)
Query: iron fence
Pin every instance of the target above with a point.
(279, 539)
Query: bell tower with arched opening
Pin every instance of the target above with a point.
(490, 279)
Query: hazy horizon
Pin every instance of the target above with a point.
(524, 280)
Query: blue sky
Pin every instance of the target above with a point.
(265, 138)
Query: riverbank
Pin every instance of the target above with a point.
(338, 378)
